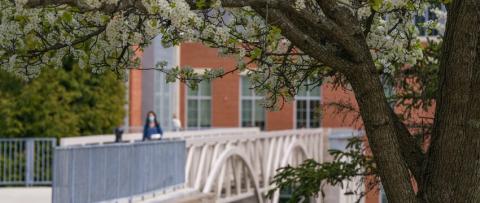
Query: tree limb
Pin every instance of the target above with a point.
(304, 42)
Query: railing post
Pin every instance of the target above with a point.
(29, 168)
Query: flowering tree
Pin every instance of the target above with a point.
(284, 44)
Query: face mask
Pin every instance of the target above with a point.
(151, 118)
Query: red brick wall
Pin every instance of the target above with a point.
(135, 96)
(281, 120)
(226, 90)
(135, 105)
(331, 116)
(225, 101)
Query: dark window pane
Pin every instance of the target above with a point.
(301, 114)
(259, 115)
(302, 91)
(259, 111)
(246, 113)
(260, 124)
(315, 112)
(205, 113)
(246, 91)
(315, 91)
(192, 113)
(191, 92)
(205, 88)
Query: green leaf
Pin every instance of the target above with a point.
(155, 9)
(375, 4)
(257, 52)
(31, 41)
(200, 4)
(274, 34)
(22, 20)
(67, 16)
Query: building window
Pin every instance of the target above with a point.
(308, 108)
(252, 112)
(199, 106)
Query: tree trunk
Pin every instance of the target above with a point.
(382, 134)
(452, 172)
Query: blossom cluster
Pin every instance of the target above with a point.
(35, 38)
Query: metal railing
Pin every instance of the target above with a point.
(116, 171)
(132, 137)
(26, 161)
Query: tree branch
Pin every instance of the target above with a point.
(304, 42)
(315, 25)
(106, 7)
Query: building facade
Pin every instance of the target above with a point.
(224, 102)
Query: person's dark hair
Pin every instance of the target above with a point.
(154, 120)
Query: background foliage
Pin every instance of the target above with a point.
(61, 102)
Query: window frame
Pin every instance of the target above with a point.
(308, 98)
(253, 99)
(198, 98)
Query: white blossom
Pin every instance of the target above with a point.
(388, 40)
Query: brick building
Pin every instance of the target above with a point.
(227, 101)
(223, 102)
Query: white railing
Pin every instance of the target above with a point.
(131, 137)
(240, 166)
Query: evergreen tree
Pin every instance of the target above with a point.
(61, 102)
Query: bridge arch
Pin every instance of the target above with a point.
(295, 146)
(221, 162)
(291, 149)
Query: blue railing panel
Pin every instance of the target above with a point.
(115, 171)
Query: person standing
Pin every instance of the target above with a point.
(152, 129)
(177, 125)
(118, 133)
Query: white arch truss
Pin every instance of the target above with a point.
(293, 147)
(218, 170)
(240, 164)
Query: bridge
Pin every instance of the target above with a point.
(241, 165)
(232, 165)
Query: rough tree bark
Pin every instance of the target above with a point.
(453, 165)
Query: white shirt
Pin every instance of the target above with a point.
(176, 124)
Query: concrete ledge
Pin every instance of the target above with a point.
(26, 195)
(186, 195)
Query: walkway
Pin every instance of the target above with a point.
(26, 195)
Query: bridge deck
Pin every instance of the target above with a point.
(186, 195)
(26, 194)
